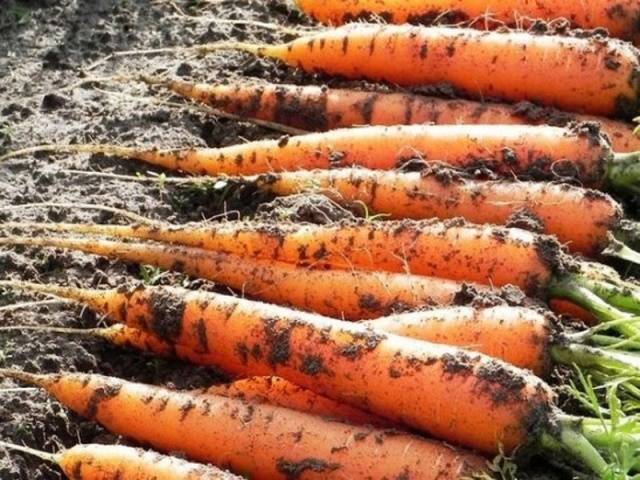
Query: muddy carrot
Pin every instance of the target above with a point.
(454, 250)
(314, 108)
(618, 17)
(523, 337)
(117, 462)
(280, 392)
(582, 219)
(273, 390)
(496, 404)
(590, 75)
(349, 294)
(528, 150)
(260, 441)
(540, 152)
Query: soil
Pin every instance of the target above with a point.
(46, 46)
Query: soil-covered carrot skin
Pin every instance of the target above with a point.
(258, 440)
(539, 151)
(116, 462)
(590, 75)
(579, 218)
(451, 250)
(519, 336)
(345, 361)
(280, 392)
(619, 17)
(272, 390)
(341, 293)
(314, 108)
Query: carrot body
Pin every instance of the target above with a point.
(349, 362)
(618, 17)
(116, 462)
(589, 75)
(316, 108)
(507, 149)
(280, 392)
(579, 218)
(349, 294)
(257, 440)
(518, 336)
(455, 251)
(272, 390)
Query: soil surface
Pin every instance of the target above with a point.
(45, 47)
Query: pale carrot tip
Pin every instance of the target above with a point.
(37, 380)
(51, 457)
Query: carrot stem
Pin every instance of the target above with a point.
(570, 440)
(594, 296)
(608, 361)
(49, 457)
(623, 172)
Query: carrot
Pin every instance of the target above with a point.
(349, 294)
(272, 390)
(520, 336)
(451, 250)
(495, 405)
(584, 220)
(117, 462)
(280, 392)
(452, 144)
(314, 108)
(260, 441)
(590, 75)
(618, 17)
(539, 152)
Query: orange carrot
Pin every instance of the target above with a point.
(590, 75)
(495, 405)
(273, 390)
(280, 392)
(617, 16)
(454, 251)
(117, 462)
(520, 336)
(541, 152)
(349, 294)
(258, 440)
(314, 108)
(581, 219)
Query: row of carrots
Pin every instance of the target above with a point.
(343, 371)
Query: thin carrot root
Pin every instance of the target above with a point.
(205, 427)
(85, 206)
(76, 148)
(280, 392)
(117, 462)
